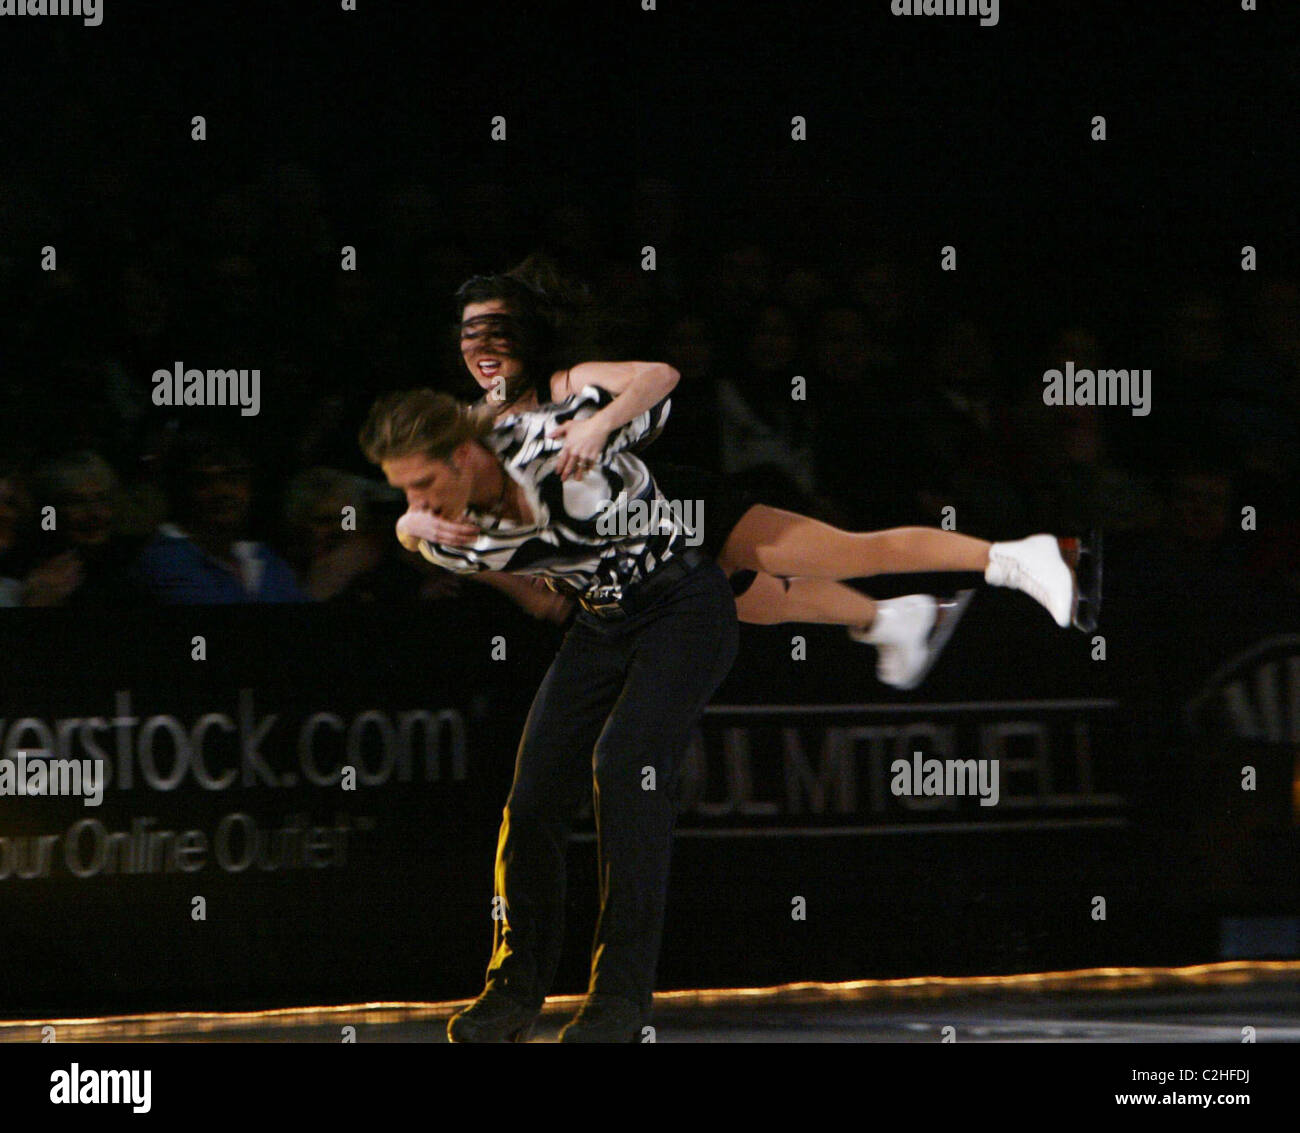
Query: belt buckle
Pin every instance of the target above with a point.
(609, 609)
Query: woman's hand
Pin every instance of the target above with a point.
(584, 441)
(417, 525)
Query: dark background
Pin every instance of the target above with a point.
(820, 258)
(672, 128)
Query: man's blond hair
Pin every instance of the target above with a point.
(423, 422)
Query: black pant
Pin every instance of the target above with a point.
(619, 699)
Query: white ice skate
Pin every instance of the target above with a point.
(1062, 575)
(909, 633)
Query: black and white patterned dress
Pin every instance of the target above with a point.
(571, 544)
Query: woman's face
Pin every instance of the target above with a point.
(489, 344)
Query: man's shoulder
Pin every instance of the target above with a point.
(521, 438)
(588, 397)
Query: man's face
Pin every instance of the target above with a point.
(324, 531)
(489, 344)
(90, 512)
(221, 495)
(439, 486)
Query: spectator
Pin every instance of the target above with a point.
(766, 435)
(1065, 470)
(90, 563)
(205, 555)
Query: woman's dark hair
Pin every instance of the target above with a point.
(549, 322)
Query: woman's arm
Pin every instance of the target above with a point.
(637, 386)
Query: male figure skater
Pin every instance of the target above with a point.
(655, 637)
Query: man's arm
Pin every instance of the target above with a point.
(530, 593)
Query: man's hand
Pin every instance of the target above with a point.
(584, 441)
(528, 592)
(417, 525)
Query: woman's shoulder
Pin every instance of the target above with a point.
(561, 387)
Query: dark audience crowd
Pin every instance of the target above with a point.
(837, 381)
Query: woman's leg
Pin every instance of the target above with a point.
(908, 632)
(786, 544)
(772, 601)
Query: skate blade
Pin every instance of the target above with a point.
(1087, 582)
(950, 613)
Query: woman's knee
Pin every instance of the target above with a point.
(766, 602)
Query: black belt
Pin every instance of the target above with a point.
(646, 592)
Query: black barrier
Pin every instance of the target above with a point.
(830, 828)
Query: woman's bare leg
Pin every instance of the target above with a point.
(907, 632)
(786, 544)
(772, 601)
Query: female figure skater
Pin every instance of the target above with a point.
(783, 567)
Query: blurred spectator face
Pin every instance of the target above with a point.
(488, 344)
(772, 341)
(88, 511)
(689, 346)
(324, 524)
(11, 510)
(314, 509)
(1200, 505)
(221, 495)
(842, 344)
(83, 488)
